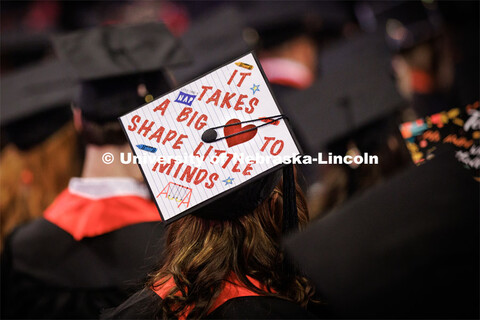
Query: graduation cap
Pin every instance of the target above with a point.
(404, 23)
(407, 248)
(215, 36)
(119, 66)
(218, 132)
(231, 30)
(457, 127)
(354, 89)
(278, 21)
(20, 47)
(35, 102)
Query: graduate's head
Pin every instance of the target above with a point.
(35, 103)
(421, 60)
(100, 102)
(258, 226)
(291, 37)
(293, 30)
(202, 252)
(120, 67)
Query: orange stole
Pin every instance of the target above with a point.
(84, 217)
(232, 289)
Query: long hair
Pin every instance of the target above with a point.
(30, 180)
(202, 254)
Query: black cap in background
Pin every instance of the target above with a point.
(213, 38)
(35, 102)
(408, 248)
(232, 29)
(120, 66)
(404, 23)
(120, 50)
(354, 89)
(276, 22)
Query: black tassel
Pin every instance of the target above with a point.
(290, 215)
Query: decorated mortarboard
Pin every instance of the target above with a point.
(35, 102)
(215, 138)
(119, 66)
(407, 248)
(354, 89)
(215, 36)
(458, 127)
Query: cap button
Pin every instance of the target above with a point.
(209, 136)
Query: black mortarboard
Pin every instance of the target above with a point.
(279, 21)
(231, 30)
(21, 47)
(35, 102)
(213, 37)
(407, 248)
(404, 23)
(120, 66)
(353, 90)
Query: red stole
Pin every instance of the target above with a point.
(232, 289)
(85, 217)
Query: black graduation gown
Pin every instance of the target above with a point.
(144, 303)
(431, 103)
(405, 249)
(46, 273)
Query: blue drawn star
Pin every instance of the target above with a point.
(255, 88)
(228, 181)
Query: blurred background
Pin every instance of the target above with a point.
(347, 74)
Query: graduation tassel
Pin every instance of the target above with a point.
(290, 215)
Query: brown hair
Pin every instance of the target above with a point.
(100, 134)
(202, 254)
(30, 180)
